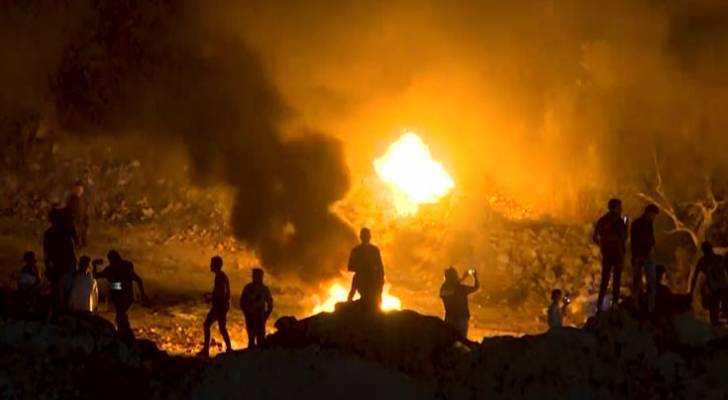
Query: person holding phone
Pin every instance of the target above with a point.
(454, 297)
(610, 234)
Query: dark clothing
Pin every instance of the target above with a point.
(455, 299)
(257, 304)
(121, 275)
(219, 310)
(221, 291)
(668, 304)
(712, 266)
(255, 328)
(642, 237)
(365, 261)
(218, 314)
(610, 234)
(78, 212)
(59, 251)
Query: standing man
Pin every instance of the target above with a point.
(454, 297)
(220, 300)
(120, 274)
(78, 212)
(59, 253)
(610, 234)
(643, 256)
(257, 305)
(365, 261)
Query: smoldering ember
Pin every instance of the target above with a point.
(363, 200)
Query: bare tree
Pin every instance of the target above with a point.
(700, 212)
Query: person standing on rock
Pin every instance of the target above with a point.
(610, 234)
(557, 309)
(78, 213)
(365, 261)
(257, 305)
(120, 274)
(715, 293)
(59, 253)
(220, 300)
(454, 297)
(642, 238)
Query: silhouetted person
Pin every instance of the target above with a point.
(29, 277)
(642, 238)
(557, 309)
(365, 261)
(257, 305)
(220, 299)
(59, 252)
(120, 274)
(667, 303)
(84, 293)
(454, 297)
(716, 282)
(29, 283)
(78, 213)
(610, 234)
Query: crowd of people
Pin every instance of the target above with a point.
(612, 233)
(74, 288)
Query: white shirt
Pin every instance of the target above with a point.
(84, 294)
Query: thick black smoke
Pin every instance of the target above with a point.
(155, 68)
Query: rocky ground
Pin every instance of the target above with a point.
(351, 354)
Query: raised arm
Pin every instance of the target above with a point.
(476, 284)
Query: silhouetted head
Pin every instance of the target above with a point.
(78, 188)
(257, 275)
(651, 211)
(55, 216)
(707, 248)
(83, 264)
(29, 258)
(215, 263)
(660, 272)
(615, 205)
(451, 275)
(113, 256)
(365, 235)
(556, 295)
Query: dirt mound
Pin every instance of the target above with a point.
(403, 340)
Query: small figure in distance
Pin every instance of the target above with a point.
(29, 277)
(610, 234)
(257, 305)
(84, 294)
(454, 297)
(29, 283)
(220, 299)
(643, 256)
(557, 309)
(78, 212)
(365, 261)
(715, 289)
(120, 274)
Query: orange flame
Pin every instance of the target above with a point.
(337, 293)
(412, 175)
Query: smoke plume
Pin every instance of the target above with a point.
(159, 69)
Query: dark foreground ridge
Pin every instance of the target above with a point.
(349, 354)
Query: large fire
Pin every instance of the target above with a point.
(337, 293)
(412, 175)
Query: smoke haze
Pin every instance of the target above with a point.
(549, 99)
